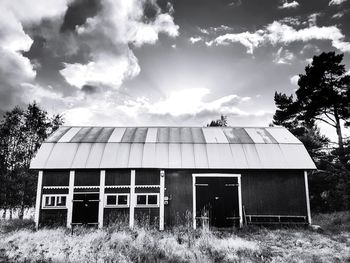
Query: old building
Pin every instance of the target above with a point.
(223, 176)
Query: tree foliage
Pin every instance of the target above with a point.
(222, 122)
(323, 96)
(21, 134)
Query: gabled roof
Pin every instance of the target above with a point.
(172, 147)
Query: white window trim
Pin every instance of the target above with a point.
(146, 205)
(55, 206)
(116, 205)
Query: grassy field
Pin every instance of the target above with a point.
(20, 243)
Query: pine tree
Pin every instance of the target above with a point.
(323, 96)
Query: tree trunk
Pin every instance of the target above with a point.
(21, 212)
(340, 136)
(4, 214)
(338, 128)
(11, 213)
(22, 206)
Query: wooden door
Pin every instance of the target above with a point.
(217, 201)
(85, 208)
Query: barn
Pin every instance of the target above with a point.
(218, 176)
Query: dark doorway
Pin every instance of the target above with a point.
(217, 202)
(85, 208)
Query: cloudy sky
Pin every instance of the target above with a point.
(147, 62)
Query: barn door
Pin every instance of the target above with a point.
(85, 208)
(217, 201)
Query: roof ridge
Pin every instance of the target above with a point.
(160, 126)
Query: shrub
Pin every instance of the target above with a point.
(334, 222)
(16, 224)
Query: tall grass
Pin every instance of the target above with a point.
(140, 245)
(181, 244)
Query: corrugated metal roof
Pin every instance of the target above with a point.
(172, 147)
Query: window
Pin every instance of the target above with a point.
(111, 200)
(54, 201)
(61, 201)
(123, 199)
(149, 200)
(117, 200)
(153, 199)
(141, 199)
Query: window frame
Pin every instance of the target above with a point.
(54, 206)
(147, 205)
(117, 205)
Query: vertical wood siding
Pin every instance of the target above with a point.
(118, 177)
(147, 177)
(264, 192)
(53, 217)
(274, 193)
(56, 178)
(87, 177)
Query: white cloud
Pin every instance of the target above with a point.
(18, 13)
(235, 3)
(247, 39)
(204, 31)
(108, 70)
(292, 21)
(109, 34)
(279, 33)
(338, 15)
(294, 80)
(309, 60)
(191, 101)
(39, 94)
(312, 19)
(310, 48)
(15, 69)
(141, 33)
(283, 56)
(221, 28)
(79, 116)
(194, 40)
(336, 2)
(185, 107)
(27, 12)
(286, 4)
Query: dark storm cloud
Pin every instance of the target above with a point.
(89, 89)
(78, 12)
(47, 65)
(150, 11)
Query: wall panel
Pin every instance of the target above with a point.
(87, 177)
(53, 217)
(117, 177)
(273, 192)
(56, 178)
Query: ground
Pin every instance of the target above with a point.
(20, 243)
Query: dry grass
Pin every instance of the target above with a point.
(335, 222)
(119, 244)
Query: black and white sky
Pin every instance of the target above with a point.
(148, 62)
